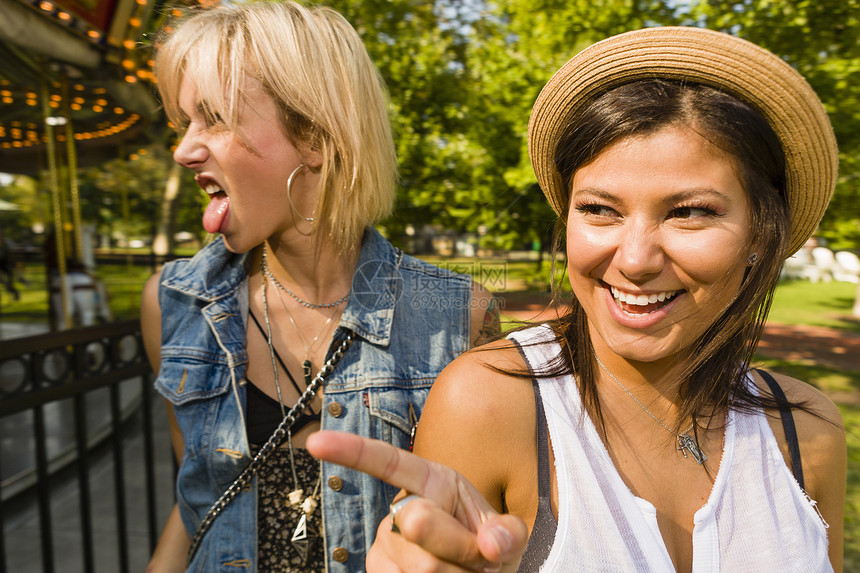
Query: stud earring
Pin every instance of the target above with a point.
(751, 260)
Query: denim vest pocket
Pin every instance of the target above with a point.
(206, 412)
(184, 379)
(389, 413)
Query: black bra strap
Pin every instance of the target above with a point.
(544, 480)
(544, 528)
(787, 425)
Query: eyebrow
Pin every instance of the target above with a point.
(199, 107)
(678, 196)
(594, 191)
(204, 108)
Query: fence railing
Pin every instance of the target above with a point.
(76, 412)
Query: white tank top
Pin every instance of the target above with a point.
(757, 518)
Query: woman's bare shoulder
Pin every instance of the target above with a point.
(821, 409)
(479, 419)
(489, 371)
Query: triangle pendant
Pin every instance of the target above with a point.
(300, 539)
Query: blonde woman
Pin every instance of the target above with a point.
(298, 315)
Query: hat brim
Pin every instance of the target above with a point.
(736, 66)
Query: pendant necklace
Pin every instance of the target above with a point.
(301, 539)
(302, 535)
(686, 443)
(271, 345)
(306, 365)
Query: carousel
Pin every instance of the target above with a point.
(76, 88)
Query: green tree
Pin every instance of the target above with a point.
(513, 50)
(417, 56)
(33, 208)
(821, 39)
(133, 187)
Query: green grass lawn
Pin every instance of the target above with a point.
(123, 283)
(851, 415)
(501, 275)
(815, 304)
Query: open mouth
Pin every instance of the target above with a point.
(217, 212)
(640, 304)
(214, 191)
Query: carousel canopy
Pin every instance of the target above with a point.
(74, 68)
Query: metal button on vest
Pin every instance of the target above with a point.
(340, 554)
(335, 409)
(336, 483)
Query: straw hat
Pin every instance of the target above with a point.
(731, 64)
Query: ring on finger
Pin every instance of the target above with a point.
(395, 507)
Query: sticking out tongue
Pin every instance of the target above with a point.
(217, 212)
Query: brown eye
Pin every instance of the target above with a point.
(596, 209)
(691, 212)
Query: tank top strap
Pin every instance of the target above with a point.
(545, 526)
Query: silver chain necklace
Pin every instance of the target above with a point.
(265, 266)
(301, 538)
(685, 441)
(306, 365)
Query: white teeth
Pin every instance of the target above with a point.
(641, 299)
(212, 189)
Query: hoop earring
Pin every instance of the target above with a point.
(290, 193)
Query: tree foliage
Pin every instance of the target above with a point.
(821, 39)
(463, 75)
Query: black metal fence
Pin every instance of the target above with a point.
(78, 467)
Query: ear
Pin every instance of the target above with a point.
(311, 156)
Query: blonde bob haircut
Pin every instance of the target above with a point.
(332, 99)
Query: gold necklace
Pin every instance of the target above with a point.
(685, 441)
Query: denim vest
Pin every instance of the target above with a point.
(410, 320)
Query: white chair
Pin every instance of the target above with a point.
(821, 269)
(794, 266)
(88, 301)
(847, 267)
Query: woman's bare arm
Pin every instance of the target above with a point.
(172, 549)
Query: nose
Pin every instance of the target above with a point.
(639, 254)
(190, 152)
